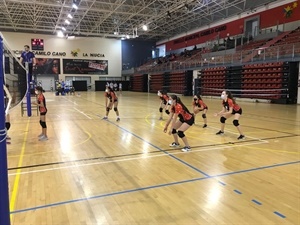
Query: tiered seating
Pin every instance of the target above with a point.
(137, 83)
(177, 82)
(264, 81)
(252, 45)
(213, 80)
(156, 82)
(289, 46)
(292, 38)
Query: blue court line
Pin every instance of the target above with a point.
(146, 188)
(257, 168)
(256, 202)
(279, 214)
(222, 183)
(108, 195)
(238, 192)
(167, 153)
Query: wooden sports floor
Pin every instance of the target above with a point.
(93, 171)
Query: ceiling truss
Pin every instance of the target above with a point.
(117, 18)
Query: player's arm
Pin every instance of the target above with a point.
(33, 59)
(173, 121)
(106, 99)
(221, 113)
(168, 121)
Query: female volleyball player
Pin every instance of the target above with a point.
(163, 96)
(111, 100)
(230, 108)
(199, 105)
(186, 119)
(41, 103)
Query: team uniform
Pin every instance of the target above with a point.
(42, 109)
(164, 99)
(113, 101)
(111, 96)
(184, 116)
(236, 111)
(235, 107)
(200, 104)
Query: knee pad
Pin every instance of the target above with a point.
(7, 125)
(107, 109)
(160, 109)
(167, 111)
(235, 123)
(115, 109)
(203, 116)
(43, 124)
(222, 119)
(180, 134)
(174, 131)
(40, 122)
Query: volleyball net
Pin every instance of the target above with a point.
(15, 77)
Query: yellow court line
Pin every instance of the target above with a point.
(272, 150)
(17, 178)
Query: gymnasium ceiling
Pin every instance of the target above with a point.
(115, 18)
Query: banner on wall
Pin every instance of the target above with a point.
(43, 66)
(85, 66)
(47, 66)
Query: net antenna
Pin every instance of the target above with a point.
(9, 98)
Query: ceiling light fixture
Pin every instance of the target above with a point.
(70, 16)
(145, 27)
(75, 4)
(63, 28)
(60, 33)
(67, 21)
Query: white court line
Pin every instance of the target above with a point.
(82, 113)
(71, 101)
(136, 158)
(254, 138)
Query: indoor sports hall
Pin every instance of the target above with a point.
(106, 154)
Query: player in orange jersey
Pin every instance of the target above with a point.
(230, 108)
(198, 106)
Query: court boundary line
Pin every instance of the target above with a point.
(136, 158)
(151, 187)
(132, 154)
(15, 188)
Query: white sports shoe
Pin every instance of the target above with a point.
(186, 149)
(174, 144)
(43, 138)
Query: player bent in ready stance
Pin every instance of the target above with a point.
(178, 127)
(230, 108)
(111, 100)
(164, 98)
(198, 106)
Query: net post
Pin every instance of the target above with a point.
(4, 196)
(28, 94)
